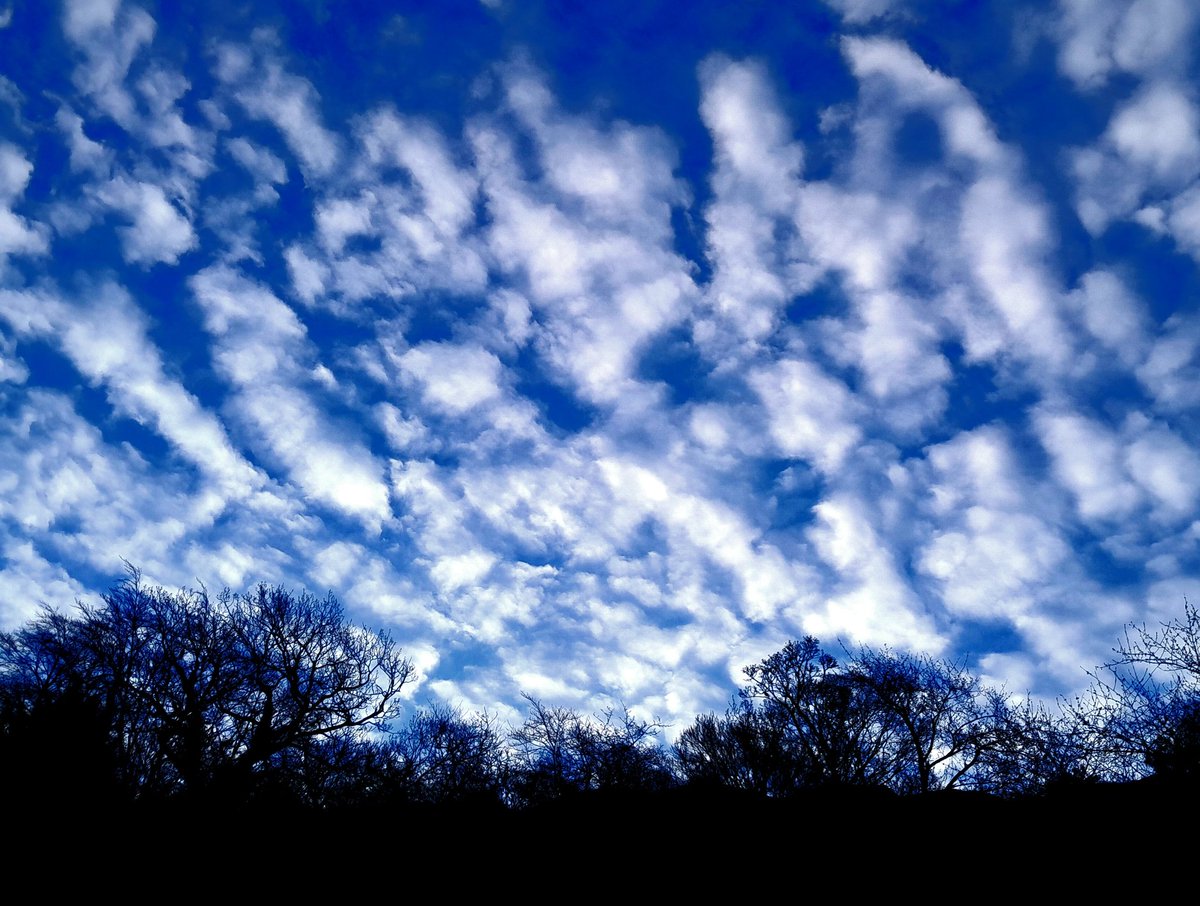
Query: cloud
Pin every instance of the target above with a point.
(1183, 220)
(105, 336)
(159, 232)
(258, 81)
(87, 156)
(14, 173)
(859, 12)
(83, 500)
(1141, 167)
(260, 348)
(870, 602)
(596, 261)
(968, 217)
(18, 236)
(991, 554)
(109, 35)
(1099, 38)
(565, 428)
(1113, 315)
(1088, 460)
(1168, 469)
(454, 379)
(1171, 371)
(28, 580)
(261, 164)
(399, 223)
(1159, 131)
(755, 182)
(447, 192)
(811, 414)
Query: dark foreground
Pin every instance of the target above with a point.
(847, 842)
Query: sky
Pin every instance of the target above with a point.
(595, 350)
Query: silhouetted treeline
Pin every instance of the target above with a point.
(272, 701)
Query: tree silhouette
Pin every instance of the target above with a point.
(1143, 709)
(747, 749)
(945, 726)
(203, 695)
(834, 726)
(445, 756)
(558, 752)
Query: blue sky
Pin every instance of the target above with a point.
(596, 350)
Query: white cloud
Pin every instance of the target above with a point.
(1088, 460)
(752, 140)
(1171, 371)
(1112, 314)
(1006, 238)
(340, 219)
(160, 233)
(28, 580)
(12, 369)
(414, 226)
(260, 163)
(1168, 469)
(979, 497)
(1184, 220)
(1142, 165)
(105, 336)
(859, 12)
(87, 156)
(812, 416)
(871, 602)
(18, 236)
(1101, 37)
(447, 192)
(454, 379)
(110, 36)
(14, 173)
(260, 348)
(87, 501)
(859, 233)
(755, 185)
(599, 266)
(267, 91)
(1159, 131)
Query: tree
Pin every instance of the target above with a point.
(945, 725)
(744, 749)
(1143, 709)
(1037, 750)
(558, 752)
(834, 727)
(444, 756)
(208, 695)
(906, 722)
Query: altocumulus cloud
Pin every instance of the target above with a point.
(597, 362)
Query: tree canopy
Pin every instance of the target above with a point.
(273, 696)
(203, 694)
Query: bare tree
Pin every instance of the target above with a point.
(744, 749)
(946, 725)
(834, 725)
(203, 694)
(446, 756)
(557, 752)
(1142, 712)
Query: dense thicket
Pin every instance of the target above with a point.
(274, 699)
